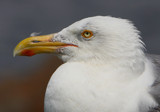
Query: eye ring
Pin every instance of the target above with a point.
(87, 34)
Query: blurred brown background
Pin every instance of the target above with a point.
(23, 80)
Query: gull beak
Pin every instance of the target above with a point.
(38, 44)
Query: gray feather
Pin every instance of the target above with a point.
(155, 89)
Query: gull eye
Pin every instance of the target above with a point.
(87, 34)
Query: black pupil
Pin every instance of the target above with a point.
(87, 33)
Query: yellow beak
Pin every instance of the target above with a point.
(38, 44)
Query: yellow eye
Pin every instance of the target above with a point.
(87, 34)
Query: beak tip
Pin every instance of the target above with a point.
(15, 53)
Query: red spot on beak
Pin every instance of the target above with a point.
(27, 53)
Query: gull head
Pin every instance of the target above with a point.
(95, 38)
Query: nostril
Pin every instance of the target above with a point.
(36, 41)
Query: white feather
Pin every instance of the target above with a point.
(108, 73)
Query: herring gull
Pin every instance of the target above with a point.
(105, 68)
